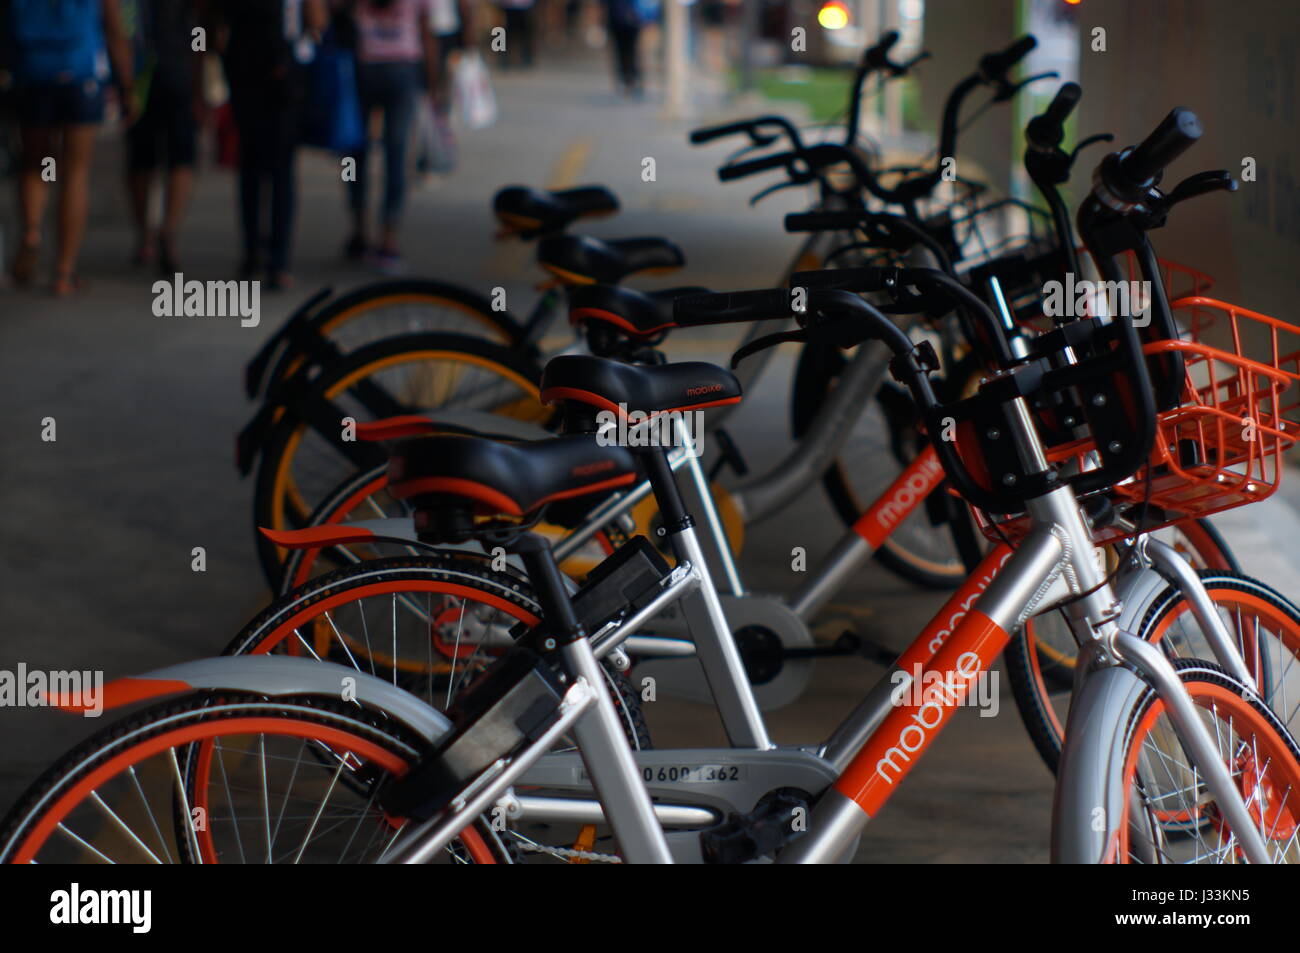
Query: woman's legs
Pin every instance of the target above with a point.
(33, 194)
(399, 110)
(74, 199)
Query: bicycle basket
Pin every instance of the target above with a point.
(1222, 445)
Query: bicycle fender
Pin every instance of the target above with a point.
(270, 675)
(1089, 803)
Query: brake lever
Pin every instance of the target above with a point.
(764, 193)
(1007, 90)
(1090, 141)
(1199, 184)
(766, 341)
(919, 57)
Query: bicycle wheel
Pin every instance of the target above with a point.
(291, 780)
(430, 625)
(1161, 782)
(884, 440)
(364, 496)
(384, 309)
(1039, 660)
(305, 456)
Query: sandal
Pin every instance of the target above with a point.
(65, 286)
(24, 266)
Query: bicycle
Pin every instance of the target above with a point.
(512, 716)
(302, 418)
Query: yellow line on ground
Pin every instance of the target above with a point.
(570, 165)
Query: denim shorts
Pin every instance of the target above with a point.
(60, 104)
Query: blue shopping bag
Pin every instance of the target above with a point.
(333, 120)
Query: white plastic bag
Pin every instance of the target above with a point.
(474, 96)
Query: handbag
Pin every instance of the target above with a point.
(333, 118)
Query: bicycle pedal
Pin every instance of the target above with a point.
(511, 704)
(773, 823)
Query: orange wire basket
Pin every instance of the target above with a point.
(1239, 409)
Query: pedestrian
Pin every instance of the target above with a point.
(267, 46)
(397, 61)
(59, 53)
(623, 19)
(166, 133)
(519, 31)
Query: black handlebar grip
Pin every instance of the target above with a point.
(1174, 136)
(709, 133)
(876, 55)
(731, 307)
(1063, 103)
(995, 65)
(862, 280)
(739, 170)
(1046, 130)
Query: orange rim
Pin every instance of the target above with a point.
(205, 732)
(1266, 745)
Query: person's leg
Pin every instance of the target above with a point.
(527, 22)
(622, 58)
(358, 244)
(251, 170)
(33, 194)
(399, 110)
(288, 121)
(141, 161)
(634, 59)
(181, 134)
(74, 201)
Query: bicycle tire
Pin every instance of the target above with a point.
(383, 745)
(279, 502)
(341, 318)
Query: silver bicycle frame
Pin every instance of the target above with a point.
(1056, 562)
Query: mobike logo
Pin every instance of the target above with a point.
(703, 389)
(942, 692)
(918, 486)
(963, 607)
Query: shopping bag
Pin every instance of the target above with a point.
(435, 143)
(333, 118)
(474, 96)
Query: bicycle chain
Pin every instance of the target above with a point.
(526, 846)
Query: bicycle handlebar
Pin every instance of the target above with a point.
(1046, 130)
(994, 66)
(1141, 167)
(752, 128)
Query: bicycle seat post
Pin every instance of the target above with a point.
(702, 610)
(599, 733)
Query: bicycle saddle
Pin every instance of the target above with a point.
(638, 313)
(649, 388)
(450, 471)
(580, 260)
(532, 212)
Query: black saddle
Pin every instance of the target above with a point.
(638, 313)
(577, 259)
(649, 388)
(448, 471)
(532, 212)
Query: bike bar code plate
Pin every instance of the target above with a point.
(687, 773)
